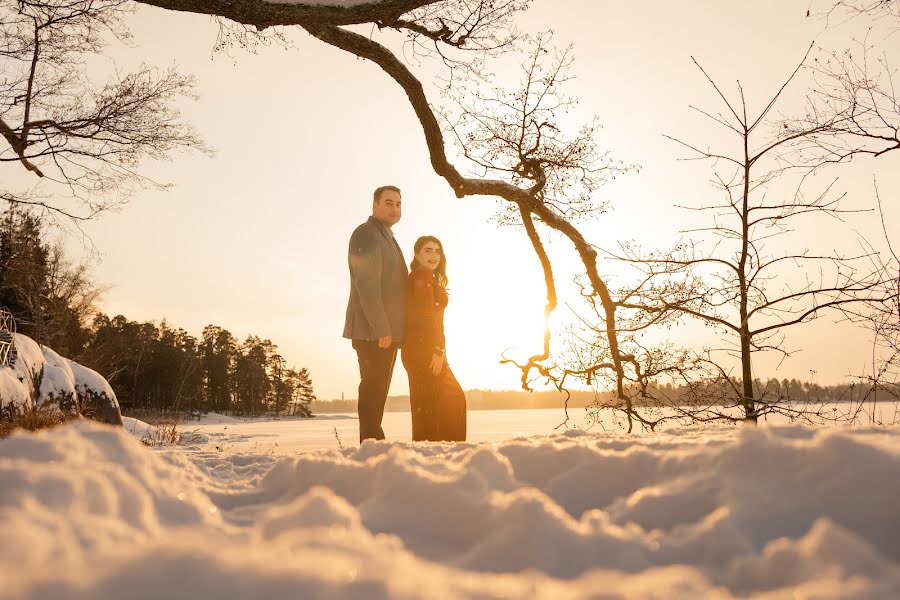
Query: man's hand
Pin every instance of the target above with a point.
(437, 363)
(385, 342)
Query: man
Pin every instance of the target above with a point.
(376, 309)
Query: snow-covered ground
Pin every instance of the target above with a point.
(291, 435)
(88, 512)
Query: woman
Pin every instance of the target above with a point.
(437, 401)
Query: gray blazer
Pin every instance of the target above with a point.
(377, 305)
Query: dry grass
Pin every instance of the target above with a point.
(33, 420)
(163, 432)
(166, 433)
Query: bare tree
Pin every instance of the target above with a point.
(853, 108)
(887, 10)
(60, 126)
(71, 302)
(741, 285)
(880, 383)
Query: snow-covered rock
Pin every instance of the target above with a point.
(96, 398)
(41, 377)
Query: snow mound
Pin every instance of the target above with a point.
(213, 418)
(771, 513)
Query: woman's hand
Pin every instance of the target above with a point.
(437, 363)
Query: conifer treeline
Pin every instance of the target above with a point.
(150, 366)
(161, 368)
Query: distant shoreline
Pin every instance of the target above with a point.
(475, 400)
(793, 391)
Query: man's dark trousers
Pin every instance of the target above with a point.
(376, 365)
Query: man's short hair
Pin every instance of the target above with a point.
(378, 191)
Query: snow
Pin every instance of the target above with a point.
(290, 435)
(57, 380)
(773, 512)
(89, 381)
(139, 429)
(12, 391)
(216, 419)
(20, 376)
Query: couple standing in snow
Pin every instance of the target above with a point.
(392, 308)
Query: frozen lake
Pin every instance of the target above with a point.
(333, 431)
(291, 435)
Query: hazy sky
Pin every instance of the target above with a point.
(254, 239)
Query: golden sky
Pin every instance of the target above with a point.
(254, 239)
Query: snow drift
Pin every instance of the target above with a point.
(785, 512)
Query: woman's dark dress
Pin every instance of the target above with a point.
(438, 403)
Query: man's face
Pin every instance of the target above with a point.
(388, 209)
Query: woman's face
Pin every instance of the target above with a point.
(429, 255)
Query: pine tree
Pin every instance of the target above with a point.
(251, 382)
(302, 394)
(218, 351)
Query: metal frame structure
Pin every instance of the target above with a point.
(7, 338)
